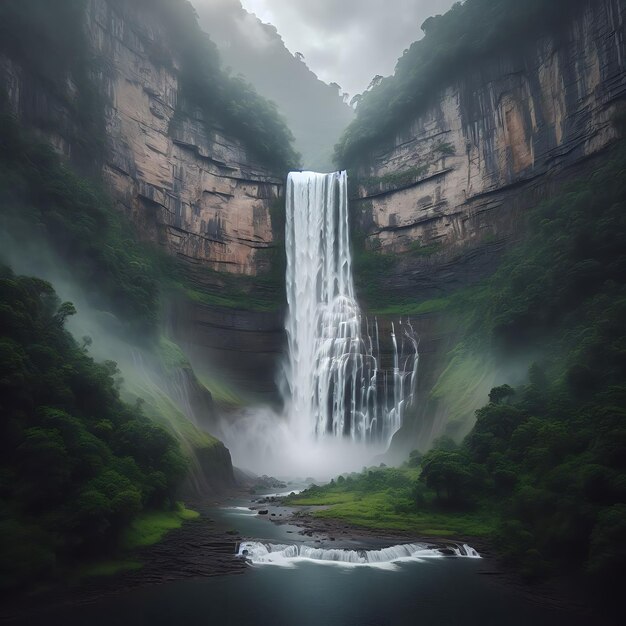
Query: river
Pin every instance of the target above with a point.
(447, 591)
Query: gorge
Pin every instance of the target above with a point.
(432, 334)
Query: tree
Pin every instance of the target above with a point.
(500, 394)
(65, 310)
(446, 473)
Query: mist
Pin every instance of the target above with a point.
(312, 312)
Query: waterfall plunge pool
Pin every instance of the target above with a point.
(436, 592)
(418, 587)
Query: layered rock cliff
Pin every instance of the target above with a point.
(448, 192)
(446, 197)
(186, 184)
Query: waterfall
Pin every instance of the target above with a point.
(336, 383)
(286, 555)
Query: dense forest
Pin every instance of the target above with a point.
(542, 470)
(453, 44)
(78, 464)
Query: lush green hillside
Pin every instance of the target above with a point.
(77, 463)
(453, 44)
(544, 468)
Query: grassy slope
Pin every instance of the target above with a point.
(382, 499)
(146, 530)
(150, 528)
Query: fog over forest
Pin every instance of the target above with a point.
(312, 312)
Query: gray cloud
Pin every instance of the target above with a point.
(347, 41)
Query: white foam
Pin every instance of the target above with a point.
(386, 558)
(242, 510)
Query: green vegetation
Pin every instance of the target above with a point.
(77, 464)
(463, 386)
(224, 100)
(546, 459)
(145, 530)
(224, 393)
(162, 410)
(42, 195)
(150, 527)
(371, 269)
(261, 293)
(552, 450)
(392, 499)
(453, 44)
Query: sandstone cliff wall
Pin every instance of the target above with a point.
(198, 192)
(451, 190)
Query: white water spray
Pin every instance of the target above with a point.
(287, 555)
(336, 386)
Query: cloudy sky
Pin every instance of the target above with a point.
(348, 41)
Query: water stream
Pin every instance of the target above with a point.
(336, 383)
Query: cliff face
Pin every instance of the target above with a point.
(449, 194)
(452, 188)
(196, 191)
(186, 185)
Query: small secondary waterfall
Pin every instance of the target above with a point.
(279, 554)
(336, 384)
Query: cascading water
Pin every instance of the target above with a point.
(336, 385)
(286, 555)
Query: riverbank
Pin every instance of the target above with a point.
(197, 548)
(566, 597)
(206, 547)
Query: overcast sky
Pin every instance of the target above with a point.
(348, 41)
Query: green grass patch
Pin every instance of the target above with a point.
(378, 511)
(150, 527)
(465, 383)
(171, 354)
(264, 295)
(384, 499)
(224, 394)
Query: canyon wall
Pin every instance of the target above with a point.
(187, 185)
(450, 194)
(450, 191)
